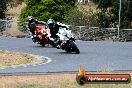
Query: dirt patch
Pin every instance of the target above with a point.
(14, 58)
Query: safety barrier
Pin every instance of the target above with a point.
(97, 34)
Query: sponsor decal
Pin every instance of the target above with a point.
(83, 78)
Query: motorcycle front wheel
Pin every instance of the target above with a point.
(74, 47)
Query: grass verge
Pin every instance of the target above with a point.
(14, 58)
(56, 80)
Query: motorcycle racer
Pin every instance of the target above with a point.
(32, 24)
(54, 29)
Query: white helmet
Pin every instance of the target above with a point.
(30, 17)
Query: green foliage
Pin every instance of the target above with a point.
(105, 13)
(45, 9)
(22, 26)
(3, 6)
(126, 18)
(109, 10)
(104, 4)
(81, 17)
(95, 1)
(3, 9)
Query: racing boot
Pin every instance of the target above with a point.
(57, 42)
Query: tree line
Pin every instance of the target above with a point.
(45, 9)
(106, 15)
(109, 12)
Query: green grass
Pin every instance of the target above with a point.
(69, 84)
(29, 86)
(57, 80)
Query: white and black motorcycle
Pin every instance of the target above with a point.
(66, 40)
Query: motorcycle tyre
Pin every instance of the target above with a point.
(74, 47)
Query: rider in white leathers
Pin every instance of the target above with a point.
(55, 28)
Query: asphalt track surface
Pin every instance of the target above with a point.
(94, 56)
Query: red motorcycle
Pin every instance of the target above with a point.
(42, 36)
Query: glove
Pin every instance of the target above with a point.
(51, 39)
